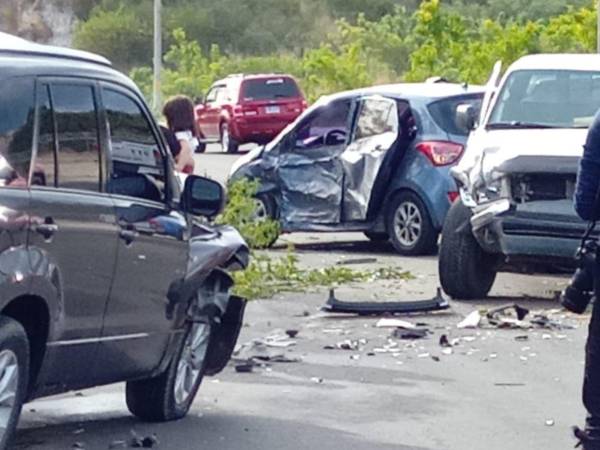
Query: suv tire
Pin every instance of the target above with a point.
(228, 144)
(169, 396)
(14, 376)
(466, 271)
(409, 226)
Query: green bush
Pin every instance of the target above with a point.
(240, 212)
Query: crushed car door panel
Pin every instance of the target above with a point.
(375, 134)
(309, 171)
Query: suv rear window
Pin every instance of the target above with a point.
(444, 112)
(269, 89)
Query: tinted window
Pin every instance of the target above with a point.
(377, 116)
(269, 89)
(45, 163)
(137, 164)
(77, 131)
(443, 113)
(16, 130)
(560, 98)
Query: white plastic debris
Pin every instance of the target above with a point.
(471, 321)
(395, 323)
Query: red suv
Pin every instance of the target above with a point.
(248, 108)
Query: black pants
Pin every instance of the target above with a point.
(591, 380)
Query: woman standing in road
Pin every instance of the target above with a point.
(179, 112)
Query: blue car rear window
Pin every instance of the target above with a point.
(443, 112)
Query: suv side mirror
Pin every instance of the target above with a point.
(202, 196)
(466, 116)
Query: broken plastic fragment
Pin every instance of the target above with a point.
(417, 333)
(395, 323)
(471, 321)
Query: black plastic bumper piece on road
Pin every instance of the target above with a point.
(334, 305)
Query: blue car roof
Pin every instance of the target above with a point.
(424, 91)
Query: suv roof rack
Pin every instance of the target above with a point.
(14, 44)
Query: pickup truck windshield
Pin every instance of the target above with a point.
(547, 99)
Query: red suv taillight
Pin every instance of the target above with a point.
(441, 153)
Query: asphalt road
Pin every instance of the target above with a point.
(492, 392)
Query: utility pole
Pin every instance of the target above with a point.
(156, 100)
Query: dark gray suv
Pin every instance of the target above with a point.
(107, 271)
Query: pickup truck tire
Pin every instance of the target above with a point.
(228, 143)
(169, 396)
(14, 377)
(409, 226)
(465, 270)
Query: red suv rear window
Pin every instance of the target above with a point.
(269, 89)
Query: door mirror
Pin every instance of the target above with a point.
(466, 117)
(202, 196)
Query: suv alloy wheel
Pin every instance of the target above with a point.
(14, 373)
(169, 396)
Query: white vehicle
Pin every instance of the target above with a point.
(517, 176)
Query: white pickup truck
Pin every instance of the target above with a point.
(517, 176)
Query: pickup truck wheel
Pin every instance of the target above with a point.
(228, 144)
(169, 396)
(14, 373)
(465, 270)
(409, 226)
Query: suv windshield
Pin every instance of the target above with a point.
(548, 99)
(269, 89)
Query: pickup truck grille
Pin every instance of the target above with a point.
(541, 186)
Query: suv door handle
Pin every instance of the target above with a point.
(128, 236)
(46, 229)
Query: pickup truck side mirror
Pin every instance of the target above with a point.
(202, 196)
(466, 117)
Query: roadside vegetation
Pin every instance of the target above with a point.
(331, 45)
(267, 276)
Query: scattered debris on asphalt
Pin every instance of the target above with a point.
(345, 262)
(259, 353)
(334, 305)
(513, 316)
(549, 422)
(292, 333)
(417, 333)
(395, 323)
(117, 444)
(509, 384)
(137, 441)
(471, 321)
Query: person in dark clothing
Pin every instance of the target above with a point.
(172, 142)
(588, 183)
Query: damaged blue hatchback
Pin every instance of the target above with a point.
(374, 160)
